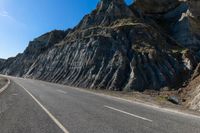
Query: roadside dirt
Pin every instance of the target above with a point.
(191, 94)
(159, 98)
(151, 98)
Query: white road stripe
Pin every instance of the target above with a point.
(5, 86)
(61, 91)
(48, 113)
(121, 111)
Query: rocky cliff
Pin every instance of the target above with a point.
(177, 18)
(191, 93)
(116, 47)
(20, 64)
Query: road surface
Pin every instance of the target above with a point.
(30, 106)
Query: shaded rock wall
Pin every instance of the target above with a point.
(191, 93)
(178, 18)
(116, 59)
(156, 6)
(194, 8)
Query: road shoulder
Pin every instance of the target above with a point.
(19, 113)
(4, 83)
(129, 97)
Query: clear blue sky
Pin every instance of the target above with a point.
(23, 20)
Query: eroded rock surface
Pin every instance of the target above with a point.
(114, 47)
(20, 64)
(194, 8)
(156, 6)
(177, 18)
(191, 93)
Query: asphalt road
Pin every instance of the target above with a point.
(30, 106)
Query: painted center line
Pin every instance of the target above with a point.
(46, 111)
(61, 91)
(124, 112)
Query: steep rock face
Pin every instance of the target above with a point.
(111, 48)
(20, 64)
(194, 8)
(156, 6)
(106, 12)
(116, 58)
(191, 93)
(195, 20)
(178, 18)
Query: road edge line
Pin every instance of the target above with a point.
(127, 113)
(55, 120)
(144, 104)
(5, 86)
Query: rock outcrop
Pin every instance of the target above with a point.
(177, 18)
(115, 47)
(194, 8)
(156, 6)
(20, 64)
(191, 93)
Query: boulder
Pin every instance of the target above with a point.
(173, 99)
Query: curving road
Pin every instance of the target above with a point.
(30, 106)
